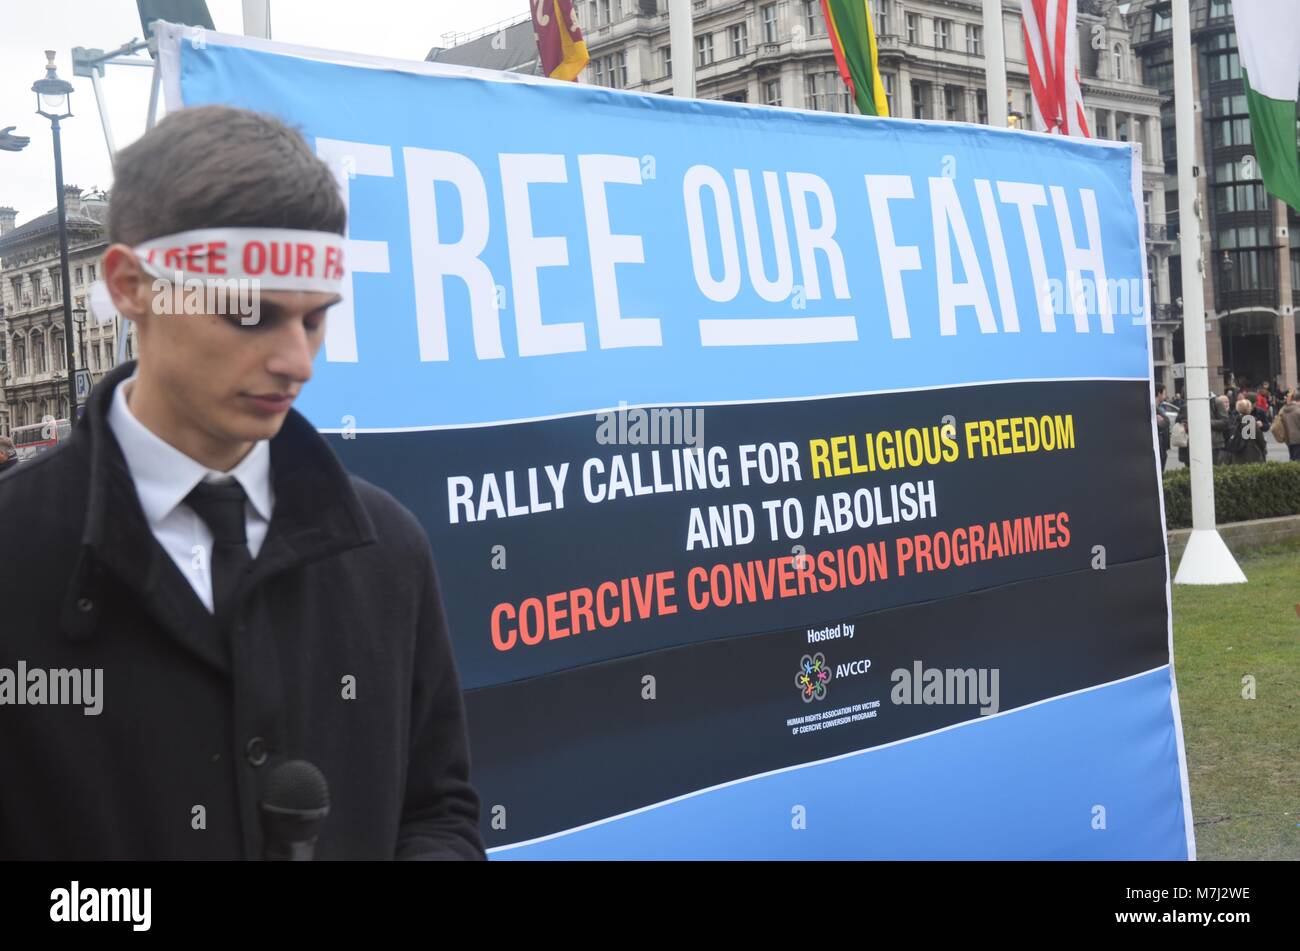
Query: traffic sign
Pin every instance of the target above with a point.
(82, 382)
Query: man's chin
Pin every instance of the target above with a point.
(255, 428)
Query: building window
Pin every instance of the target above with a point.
(827, 93)
(603, 13)
(94, 272)
(598, 71)
(882, 18)
(665, 61)
(982, 106)
(942, 33)
(1224, 66)
(814, 17)
(913, 23)
(887, 80)
(1121, 128)
(57, 354)
(76, 277)
(20, 356)
(1228, 132)
(772, 92)
(1101, 125)
(920, 100)
(1117, 60)
(739, 39)
(768, 12)
(704, 49)
(1220, 8)
(974, 39)
(38, 352)
(617, 68)
(1163, 19)
(952, 103)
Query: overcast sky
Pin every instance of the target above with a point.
(404, 29)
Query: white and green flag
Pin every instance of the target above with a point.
(1268, 40)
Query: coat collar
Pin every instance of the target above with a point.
(317, 514)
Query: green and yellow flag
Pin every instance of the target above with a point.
(854, 40)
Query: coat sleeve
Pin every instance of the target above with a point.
(440, 812)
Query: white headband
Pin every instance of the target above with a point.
(278, 259)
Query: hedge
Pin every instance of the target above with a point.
(1241, 493)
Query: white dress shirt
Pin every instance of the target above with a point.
(164, 476)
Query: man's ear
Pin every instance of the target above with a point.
(131, 288)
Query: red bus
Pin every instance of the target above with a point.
(38, 437)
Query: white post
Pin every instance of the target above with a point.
(257, 18)
(1207, 559)
(681, 34)
(995, 60)
(103, 113)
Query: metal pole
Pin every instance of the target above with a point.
(103, 114)
(154, 84)
(63, 265)
(681, 36)
(1206, 559)
(995, 60)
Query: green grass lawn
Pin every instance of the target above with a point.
(1243, 756)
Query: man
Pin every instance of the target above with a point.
(231, 597)
(1286, 427)
(1162, 427)
(8, 454)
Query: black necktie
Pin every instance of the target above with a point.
(221, 506)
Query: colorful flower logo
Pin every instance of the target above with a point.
(812, 678)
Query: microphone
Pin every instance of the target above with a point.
(294, 804)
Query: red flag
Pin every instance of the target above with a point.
(1052, 52)
(559, 38)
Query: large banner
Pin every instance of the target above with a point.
(791, 475)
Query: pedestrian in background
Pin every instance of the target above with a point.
(8, 454)
(1286, 426)
(1162, 427)
(1243, 436)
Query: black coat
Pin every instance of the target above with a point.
(343, 586)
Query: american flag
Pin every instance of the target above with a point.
(1052, 51)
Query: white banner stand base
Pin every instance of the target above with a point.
(1206, 560)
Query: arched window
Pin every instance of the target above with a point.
(1117, 59)
(38, 351)
(20, 357)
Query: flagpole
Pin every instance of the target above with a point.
(995, 60)
(257, 18)
(1206, 559)
(681, 36)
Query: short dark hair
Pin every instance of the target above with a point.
(220, 167)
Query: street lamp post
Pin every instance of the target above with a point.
(79, 319)
(54, 102)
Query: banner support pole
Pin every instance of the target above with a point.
(1206, 559)
(995, 60)
(681, 33)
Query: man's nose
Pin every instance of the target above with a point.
(292, 353)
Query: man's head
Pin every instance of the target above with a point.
(212, 382)
(1160, 392)
(8, 451)
(1244, 406)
